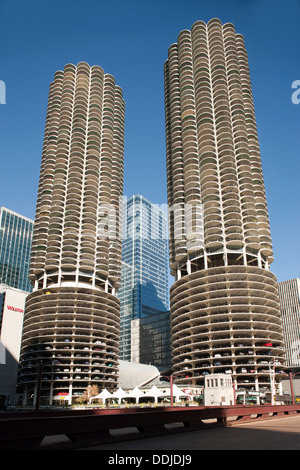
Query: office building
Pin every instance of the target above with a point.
(151, 340)
(289, 295)
(144, 290)
(125, 295)
(15, 247)
(71, 321)
(225, 314)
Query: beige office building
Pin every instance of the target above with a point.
(289, 295)
(225, 314)
(71, 322)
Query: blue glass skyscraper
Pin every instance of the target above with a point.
(144, 284)
(15, 249)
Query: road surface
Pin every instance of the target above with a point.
(281, 433)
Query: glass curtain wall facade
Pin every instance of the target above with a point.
(72, 318)
(225, 313)
(15, 249)
(155, 340)
(145, 250)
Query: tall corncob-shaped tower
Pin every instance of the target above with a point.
(71, 323)
(225, 314)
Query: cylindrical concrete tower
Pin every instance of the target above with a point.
(225, 314)
(71, 323)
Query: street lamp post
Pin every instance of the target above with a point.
(234, 386)
(292, 385)
(171, 379)
(39, 386)
(171, 388)
(272, 381)
(292, 388)
(273, 362)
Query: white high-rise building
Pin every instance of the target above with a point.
(225, 314)
(71, 322)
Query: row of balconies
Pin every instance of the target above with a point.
(210, 161)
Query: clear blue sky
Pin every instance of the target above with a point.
(130, 39)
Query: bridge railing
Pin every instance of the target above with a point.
(25, 430)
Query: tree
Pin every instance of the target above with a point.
(90, 392)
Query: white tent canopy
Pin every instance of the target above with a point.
(136, 393)
(156, 393)
(104, 395)
(153, 392)
(119, 394)
(179, 393)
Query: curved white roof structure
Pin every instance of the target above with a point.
(133, 374)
